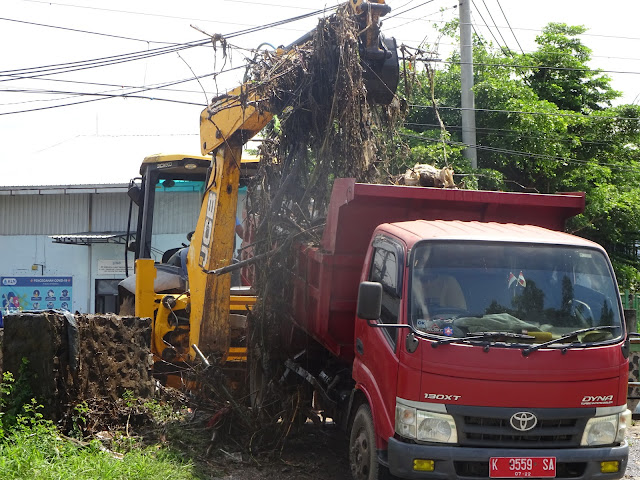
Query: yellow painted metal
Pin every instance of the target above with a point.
(237, 112)
(211, 248)
(162, 158)
(145, 294)
(164, 323)
(242, 302)
(237, 354)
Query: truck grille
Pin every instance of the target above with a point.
(491, 427)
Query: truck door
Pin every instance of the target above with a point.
(376, 362)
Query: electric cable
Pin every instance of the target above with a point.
(407, 10)
(520, 153)
(488, 28)
(512, 32)
(496, 27)
(84, 31)
(115, 59)
(554, 114)
(513, 133)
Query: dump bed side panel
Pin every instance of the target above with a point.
(326, 278)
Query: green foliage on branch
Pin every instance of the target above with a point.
(545, 123)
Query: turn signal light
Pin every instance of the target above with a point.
(605, 467)
(422, 465)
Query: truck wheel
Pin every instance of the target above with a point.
(362, 447)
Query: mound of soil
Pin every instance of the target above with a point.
(69, 359)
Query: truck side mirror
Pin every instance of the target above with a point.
(369, 300)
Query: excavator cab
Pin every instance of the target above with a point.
(173, 182)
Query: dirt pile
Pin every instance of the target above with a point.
(74, 358)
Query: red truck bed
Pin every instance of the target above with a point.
(327, 278)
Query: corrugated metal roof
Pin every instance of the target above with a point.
(64, 189)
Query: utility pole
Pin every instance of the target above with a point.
(466, 82)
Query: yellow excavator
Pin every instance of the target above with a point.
(196, 315)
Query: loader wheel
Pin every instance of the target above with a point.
(362, 447)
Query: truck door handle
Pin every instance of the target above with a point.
(359, 346)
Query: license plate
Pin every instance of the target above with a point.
(522, 467)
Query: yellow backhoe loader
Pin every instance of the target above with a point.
(194, 315)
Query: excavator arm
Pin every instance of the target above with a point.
(225, 126)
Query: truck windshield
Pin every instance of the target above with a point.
(460, 289)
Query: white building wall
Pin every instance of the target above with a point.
(29, 216)
(21, 252)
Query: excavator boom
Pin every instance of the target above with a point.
(225, 125)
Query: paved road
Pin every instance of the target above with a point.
(633, 437)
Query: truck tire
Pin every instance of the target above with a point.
(363, 456)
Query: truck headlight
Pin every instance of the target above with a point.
(424, 425)
(606, 430)
(436, 427)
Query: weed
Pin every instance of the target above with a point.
(79, 419)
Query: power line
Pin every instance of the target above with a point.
(496, 27)
(97, 62)
(83, 31)
(408, 10)
(158, 86)
(506, 151)
(107, 61)
(514, 133)
(512, 32)
(97, 84)
(556, 114)
(173, 17)
(419, 19)
(540, 67)
(488, 28)
(105, 96)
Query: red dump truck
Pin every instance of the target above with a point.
(462, 334)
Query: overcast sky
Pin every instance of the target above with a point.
(103, 140)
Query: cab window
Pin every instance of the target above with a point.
(385, 270)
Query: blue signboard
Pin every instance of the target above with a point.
(35, 293)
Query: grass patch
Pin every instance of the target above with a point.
(34, 449)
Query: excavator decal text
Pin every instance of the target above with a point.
(207, 230)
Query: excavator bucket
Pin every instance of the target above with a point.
(381, 76)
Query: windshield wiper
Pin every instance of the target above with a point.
(533, 348)
(482, 336)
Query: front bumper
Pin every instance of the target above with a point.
(472, 463)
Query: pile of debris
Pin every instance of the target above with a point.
(327, 129)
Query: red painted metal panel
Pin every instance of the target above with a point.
(325, 291)
(356, 209)
(503, 377)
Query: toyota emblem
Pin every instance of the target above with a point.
(523, 421)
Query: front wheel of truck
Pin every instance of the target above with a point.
(363, 456)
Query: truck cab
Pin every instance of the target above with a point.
(515, 353)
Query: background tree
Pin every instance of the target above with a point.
(545, 123)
